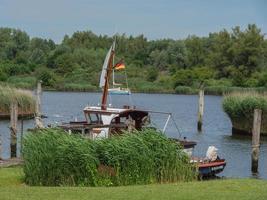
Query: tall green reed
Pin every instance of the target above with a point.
(24, 98)
(242, 104)
(52, 157)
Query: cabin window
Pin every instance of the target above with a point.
(123, 120)
(94, 118)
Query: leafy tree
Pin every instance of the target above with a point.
(152, 74)
(177, 56)
(159, 59)
(196, 51)
(218, 56)
(236, 57)
(247, 49)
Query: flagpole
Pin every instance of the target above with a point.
(113, 76)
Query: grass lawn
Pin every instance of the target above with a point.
(12, 187)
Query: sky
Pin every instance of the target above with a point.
(156, 19)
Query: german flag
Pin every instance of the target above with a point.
(120, 65)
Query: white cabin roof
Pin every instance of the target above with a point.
(108, 110)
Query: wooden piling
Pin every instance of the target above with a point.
(256, 140)
(13, 128)
(0, 147)
(21, 134)
(38, 115)
(200, 109)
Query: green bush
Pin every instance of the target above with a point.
(77, 87)
(26, 82)
(185, 90)
(3, 75)
(141, 85)
(152, 74)
(47, 76)
(166, 82)
(52, 157)
(13, 69)
(184, 77)
(218, 82)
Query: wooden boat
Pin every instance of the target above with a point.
(208, 167)
(188, 146)
(104, 121)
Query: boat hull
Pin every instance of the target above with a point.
(211, 168)
(119, 92)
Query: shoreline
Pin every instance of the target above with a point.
(194, 91)
(185, 90)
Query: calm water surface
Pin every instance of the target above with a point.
(65, 106)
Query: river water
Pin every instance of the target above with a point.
(66, 106)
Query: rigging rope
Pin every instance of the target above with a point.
(127, 85)
(176, 126)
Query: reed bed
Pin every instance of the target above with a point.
(222, 90)
(242, 104)
(219, 90)
(24, 98)
(185, 90)
(54, 158)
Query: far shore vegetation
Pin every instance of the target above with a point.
(222, 61)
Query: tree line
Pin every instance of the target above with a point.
(225, 58)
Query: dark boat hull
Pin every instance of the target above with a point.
(211, 168)
(184, 143)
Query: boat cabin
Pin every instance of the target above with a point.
(104, 123)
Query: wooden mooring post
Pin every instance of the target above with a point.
(38, 114)
(13, 128)
(256, 140)
(200, 109)
(21, 134)
(0, 146)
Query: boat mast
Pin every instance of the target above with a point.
(107, 77)
(113, 76)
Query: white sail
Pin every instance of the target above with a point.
(105, 66)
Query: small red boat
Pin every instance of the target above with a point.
(209, 168)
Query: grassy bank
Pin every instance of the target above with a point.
(25, 99)
(239, 106)
(242, 104)
(13, 188)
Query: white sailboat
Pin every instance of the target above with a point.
(116, 88)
